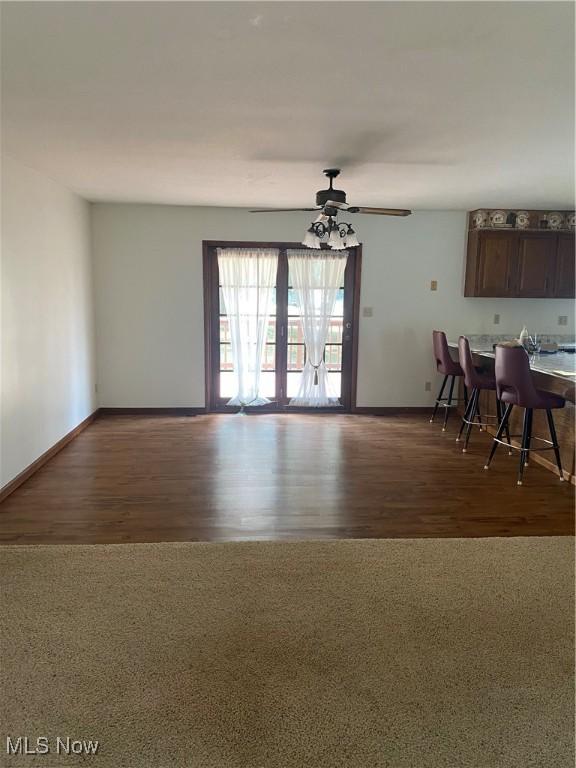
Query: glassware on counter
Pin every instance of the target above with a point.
(534, 344)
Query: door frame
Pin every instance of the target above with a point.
(352, 277)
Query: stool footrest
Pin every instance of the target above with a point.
(548, 447)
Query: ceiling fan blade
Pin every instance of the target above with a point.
(380, 211)
(362, 209)
(280, 210)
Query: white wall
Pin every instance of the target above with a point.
(149, 302)
(47, 339)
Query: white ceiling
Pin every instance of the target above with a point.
(424, 105)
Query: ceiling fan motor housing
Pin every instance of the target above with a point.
(323, 195)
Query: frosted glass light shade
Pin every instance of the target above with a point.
(335, 241)
(351, 239)
(311, 239)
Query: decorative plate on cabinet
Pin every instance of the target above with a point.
(522, 219)
(498, 218)
(571, 221)
(479, 219)
(555, 220)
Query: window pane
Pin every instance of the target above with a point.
(333, 357)
(295, 334)
(223, 305)
(268, 385)
(335, 380)
(226, 361)
(339, 305)
(293, 308)
(296, 357)
(335, 330)
(271, 330)
(273, 304)
(293, 382)
(224, 329)
(228, 384)
(269, 363)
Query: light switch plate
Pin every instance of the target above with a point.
(367, 311)
(562, 319)
(496, 319)
(433, 285)
(427, 386)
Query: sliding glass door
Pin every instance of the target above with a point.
(285, 356)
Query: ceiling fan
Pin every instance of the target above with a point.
(325, 229)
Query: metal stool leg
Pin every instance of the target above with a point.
(448, 403)
(528, 438)
(508, 439)
(499, 434)
(472, 411)
(555, 443)
(466, 416)
(525, 443)
(438, 399)
(481, 426)
(507, 430)
(498, 410)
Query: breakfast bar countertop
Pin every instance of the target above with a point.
(560, 364)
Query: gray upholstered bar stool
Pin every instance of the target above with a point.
(476, 381)
(515, 387)
(451, 369)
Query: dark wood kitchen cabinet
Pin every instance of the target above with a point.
(491, 263)
(536, 265)
(565, 267)
(512, 263)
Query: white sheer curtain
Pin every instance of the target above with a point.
(316, 278)
(247, 277)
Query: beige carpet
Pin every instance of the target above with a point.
(420, 653)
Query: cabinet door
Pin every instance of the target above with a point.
(536, 265)
(495, 264)
(565, 288)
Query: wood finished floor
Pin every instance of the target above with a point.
(219, 477)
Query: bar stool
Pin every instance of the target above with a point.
(450, 368)
(476, 382)
(515, 386)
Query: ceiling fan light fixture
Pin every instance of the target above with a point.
(311, 239)
(335, 240)
(350, 238)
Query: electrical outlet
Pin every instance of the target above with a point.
(562, 319)
(433, 285)
(428, 386)
(367, 311)
(496, 319)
